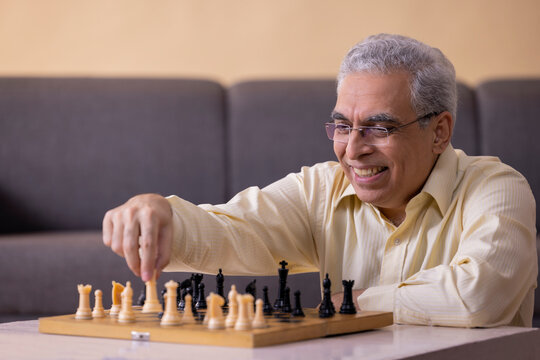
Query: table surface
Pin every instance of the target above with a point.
(21, 340)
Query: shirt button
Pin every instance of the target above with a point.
(397, 242)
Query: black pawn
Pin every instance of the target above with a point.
(267, 307)
(201, 300)
(347, 306)
(142, 297)
(297, 305)
(287, 301)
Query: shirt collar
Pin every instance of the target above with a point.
(440, 183)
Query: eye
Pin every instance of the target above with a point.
(342, 128)
(380, 131)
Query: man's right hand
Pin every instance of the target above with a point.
(144, 222)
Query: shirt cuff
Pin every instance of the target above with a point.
(378, 298)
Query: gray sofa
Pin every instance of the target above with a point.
(71, 148)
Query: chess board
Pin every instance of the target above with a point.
(281, 329)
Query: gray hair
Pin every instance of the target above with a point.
(433, 78)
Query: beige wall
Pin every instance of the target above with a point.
(232, 40)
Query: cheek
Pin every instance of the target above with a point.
(339, 150)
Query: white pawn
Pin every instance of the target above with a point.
(251, 312)
(243, 322)
(83, 311)
(171, 315)
(232, 316)
(216, 320)
(188, 317)
(98, 311)
(126, 313)
(259, 321)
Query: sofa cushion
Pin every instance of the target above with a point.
(72, 148)
(276, 127)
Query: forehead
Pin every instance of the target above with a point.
(364, 95)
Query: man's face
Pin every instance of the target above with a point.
(389, 175)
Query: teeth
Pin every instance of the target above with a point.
(368, 172)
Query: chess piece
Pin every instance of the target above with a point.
(297, 305)
(347, 306)
(196, 280)
(83, 311)
(188, 317)
(220, 279)
(170, 315)
(152, 304)
(126, 313)
(98, 311)
(184, 285)
(201, 301)
(216, 320)
(267, 307)
(251, 288)
(243, 322)
(251, 306)
(326, 309)
(283, 272)
(259, 321)
(117, 289)
(142, 297)
(286, 307)
(232, 316)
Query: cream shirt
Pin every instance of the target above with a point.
(464, 256)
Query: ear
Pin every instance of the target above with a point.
(443, 126)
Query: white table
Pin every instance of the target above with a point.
(21, 340)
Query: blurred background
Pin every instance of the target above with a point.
(235, 40)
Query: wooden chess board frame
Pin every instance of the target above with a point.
(147, 327)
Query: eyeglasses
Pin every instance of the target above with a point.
(371, 135)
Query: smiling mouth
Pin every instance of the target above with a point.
(369, 172)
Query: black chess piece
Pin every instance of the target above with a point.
(286, 308)
(297, 305)
(142, 297)
(196, 280)
(201, 300)
(326, 309)
(252, 289)
(182, 289)
(163, 293)
(283, 272)
(347, 306)
(219, 287)
(267, 307)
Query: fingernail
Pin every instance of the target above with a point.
(147, 276)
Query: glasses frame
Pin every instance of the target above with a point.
(362, 129)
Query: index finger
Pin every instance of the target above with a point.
(148, 246)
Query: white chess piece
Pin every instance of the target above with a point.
(259, 321)
(126, 313)
(243, 322)
(216, 320)
(83, 311)
(170, 315)
(152, 304)
(188, 318)
(98, 311)
(232, 316)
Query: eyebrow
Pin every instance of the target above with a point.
(377, 118)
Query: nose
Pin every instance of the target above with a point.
(357, 147)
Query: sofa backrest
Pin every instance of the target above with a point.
(509, 112)
(70, 149)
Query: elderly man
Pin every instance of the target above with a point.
(434, 235)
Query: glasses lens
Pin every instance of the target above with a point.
(369, 135)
